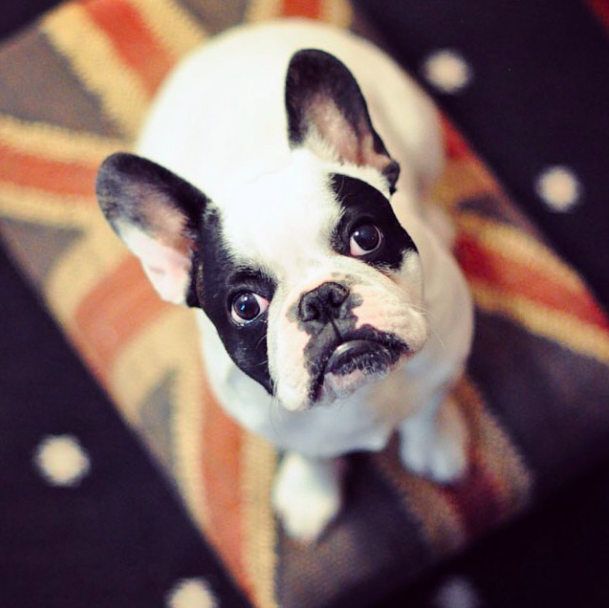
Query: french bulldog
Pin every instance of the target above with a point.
(332, 313)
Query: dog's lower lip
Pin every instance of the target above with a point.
(369, 340)
(348, 351)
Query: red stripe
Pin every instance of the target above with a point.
(476, 499)
(221, 469)
(24, 169)
(302, 8)
(601, 8)
(454, 144)
(508, 274)
(117, 309)
(132, 40)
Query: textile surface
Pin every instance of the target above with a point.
(85, 516)
(75, 89)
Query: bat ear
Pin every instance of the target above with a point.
(158, 216)
(327, 112)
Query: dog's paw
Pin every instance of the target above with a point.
(307, 496)
(441, 461)
(436, 448)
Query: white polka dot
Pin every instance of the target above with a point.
(447, 71)
(457, 592)
(559, 188)
(61, 460)
(191, 593)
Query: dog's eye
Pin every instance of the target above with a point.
(247, 306)
(365, 239)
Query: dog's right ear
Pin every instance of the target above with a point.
(327, 112)
(158, 216)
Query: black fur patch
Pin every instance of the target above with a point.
(126, 184)
(364, 204)
(130, 190)
(219, 279)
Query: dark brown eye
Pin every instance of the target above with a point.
(365, 239)
(247, 306)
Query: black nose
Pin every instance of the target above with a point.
(323, 303)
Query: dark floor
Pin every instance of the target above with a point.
(15, 14)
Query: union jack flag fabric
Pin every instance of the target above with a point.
(534, 394)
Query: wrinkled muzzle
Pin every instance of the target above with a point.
(338, 337)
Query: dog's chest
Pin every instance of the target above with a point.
(362, 422)
(365, 421)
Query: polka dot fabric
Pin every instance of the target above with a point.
(559, 189)
(85, 517)
(446, 71)
(61, 460)
(527, 82)
(192, 593)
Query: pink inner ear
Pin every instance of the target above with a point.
(330, 125)
(164, 223)
(167, 266)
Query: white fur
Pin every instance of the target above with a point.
(307, 494)
(207, 126)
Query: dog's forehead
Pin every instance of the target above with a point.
(283, 219)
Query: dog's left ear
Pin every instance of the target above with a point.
(326, 109)
(158, 216)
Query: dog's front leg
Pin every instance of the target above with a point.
(307, 494)
(434, 441)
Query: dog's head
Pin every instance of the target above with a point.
(313, 285)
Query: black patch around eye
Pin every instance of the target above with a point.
(362, 204)
(219, 279)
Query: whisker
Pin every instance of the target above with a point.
(437, 337)
(420, 309)
(260, 341)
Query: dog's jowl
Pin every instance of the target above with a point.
(279, 189)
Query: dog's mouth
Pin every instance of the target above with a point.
(363, 355)
(348, 364)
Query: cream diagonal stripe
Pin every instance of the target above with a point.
(171, 25)
(93, 59)
(463, 179)
(89, 260)
(57, 143)
(512, 243)
(337, 12)
(561, 327)
(33, 205)
(258, 462)
(169, 344)
(261, 10)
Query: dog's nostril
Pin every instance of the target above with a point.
(337, 293)
(308, 309)
(323, 303)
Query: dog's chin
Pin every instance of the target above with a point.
(354, 364)
(337, 386)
